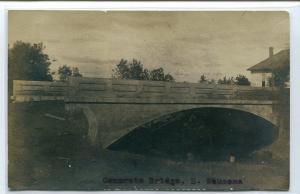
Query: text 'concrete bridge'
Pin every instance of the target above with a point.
(114, 108)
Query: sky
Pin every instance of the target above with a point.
(186, 44)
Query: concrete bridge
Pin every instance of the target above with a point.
(113, 108)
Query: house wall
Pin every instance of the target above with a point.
(256, 79)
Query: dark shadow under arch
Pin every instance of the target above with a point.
(202, 133)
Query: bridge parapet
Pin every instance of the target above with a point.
(112, 90)
(24, 90)
(101, 90)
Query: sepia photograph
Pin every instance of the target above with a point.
(148, 100)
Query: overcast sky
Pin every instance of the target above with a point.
(185, 44)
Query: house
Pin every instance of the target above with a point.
(274, 63)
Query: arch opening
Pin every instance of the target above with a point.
(203, 134)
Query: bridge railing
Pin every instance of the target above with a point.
(112, 90)
(24, 90)
(100, 89)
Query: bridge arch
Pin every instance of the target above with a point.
(265, 112)
(110, 122)
(248, 132)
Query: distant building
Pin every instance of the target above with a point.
(267, 67)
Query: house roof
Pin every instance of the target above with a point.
(276, 61)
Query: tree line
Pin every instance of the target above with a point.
(135, 70)
(28, 61)
(238, 80)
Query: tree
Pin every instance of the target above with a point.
(203, 79)
(146, 74)
(75, 72)
(157, 74)
(280, 76)
(28, 61)
(135, 70)
(242, 80)
(66, 71)
(227, 81)
(169, 78)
